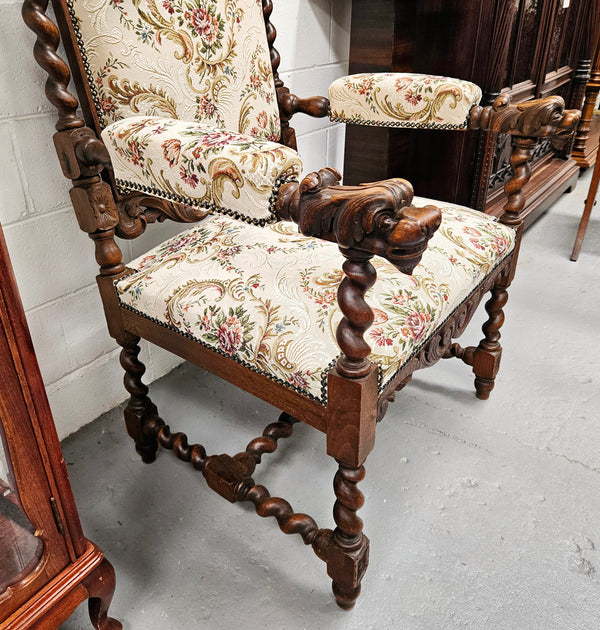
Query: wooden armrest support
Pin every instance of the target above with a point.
(290, 104)
(81, 153)
(540, 118)
(373, 218)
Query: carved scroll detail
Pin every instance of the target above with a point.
(137, 211)
(540, 118)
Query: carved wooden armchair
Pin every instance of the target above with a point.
(186, 118)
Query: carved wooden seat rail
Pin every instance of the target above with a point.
(378, 230)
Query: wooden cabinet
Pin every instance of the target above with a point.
(528, 48)
(585, 148)
(47, 567)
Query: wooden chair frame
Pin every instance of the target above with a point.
(321, 209)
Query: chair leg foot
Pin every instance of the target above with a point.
(348, 553)
(487, 355)
(140, 410)
(345, 597)
(483, 387)
(100, 585)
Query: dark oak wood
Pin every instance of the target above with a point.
(585, 146)
(69, 569)
(524, 48)
(374, 219)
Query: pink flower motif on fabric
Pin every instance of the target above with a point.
(207, 107)
(107, 105)
(413, 99)
(136, 156)
(230, 335)
(191, 179)
(215, 139)
(297, 380)
(365, 87)
(380, 338)
(171, 150)
(263, 119)
(401, 83)
(417, 323)
(205, 25)
(380, 317)
(499, 245)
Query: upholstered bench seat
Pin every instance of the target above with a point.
(200, 164)
(266, 296)
(396, 99)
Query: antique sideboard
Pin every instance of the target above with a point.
(528, 48)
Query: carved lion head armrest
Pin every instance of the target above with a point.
(372, 219)
(539, 118)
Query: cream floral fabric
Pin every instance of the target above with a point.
(266, 297)
(199, 164)
(394, 99)
(203, 61)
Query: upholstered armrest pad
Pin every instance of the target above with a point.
(200, 165)
(393, 99)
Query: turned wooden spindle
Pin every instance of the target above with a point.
(139, 407)
(44, 50)
(195, 454)
(490, 344)
(289, 522)
(349, 553)
(360, 276)
(513, 189)
(267, 443)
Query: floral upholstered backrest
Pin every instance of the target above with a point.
(196, 60)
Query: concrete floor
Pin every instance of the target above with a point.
(481, 515)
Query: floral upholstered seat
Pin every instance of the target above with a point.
(200, 165)
(394, 99)
(266, 297)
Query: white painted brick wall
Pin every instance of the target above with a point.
(53, 259)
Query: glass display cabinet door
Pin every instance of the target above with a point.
(20, 549)
(33, 547)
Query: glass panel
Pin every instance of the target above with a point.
(20, 550)
(557, 33)
(531, 11)
(569, 33)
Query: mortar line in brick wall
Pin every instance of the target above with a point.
(44, 113)
(30, 217)
(314, 132)
(61, 298)
(18, 160)
(316, 66)
(79, 372)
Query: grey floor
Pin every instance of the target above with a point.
(481, 515)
